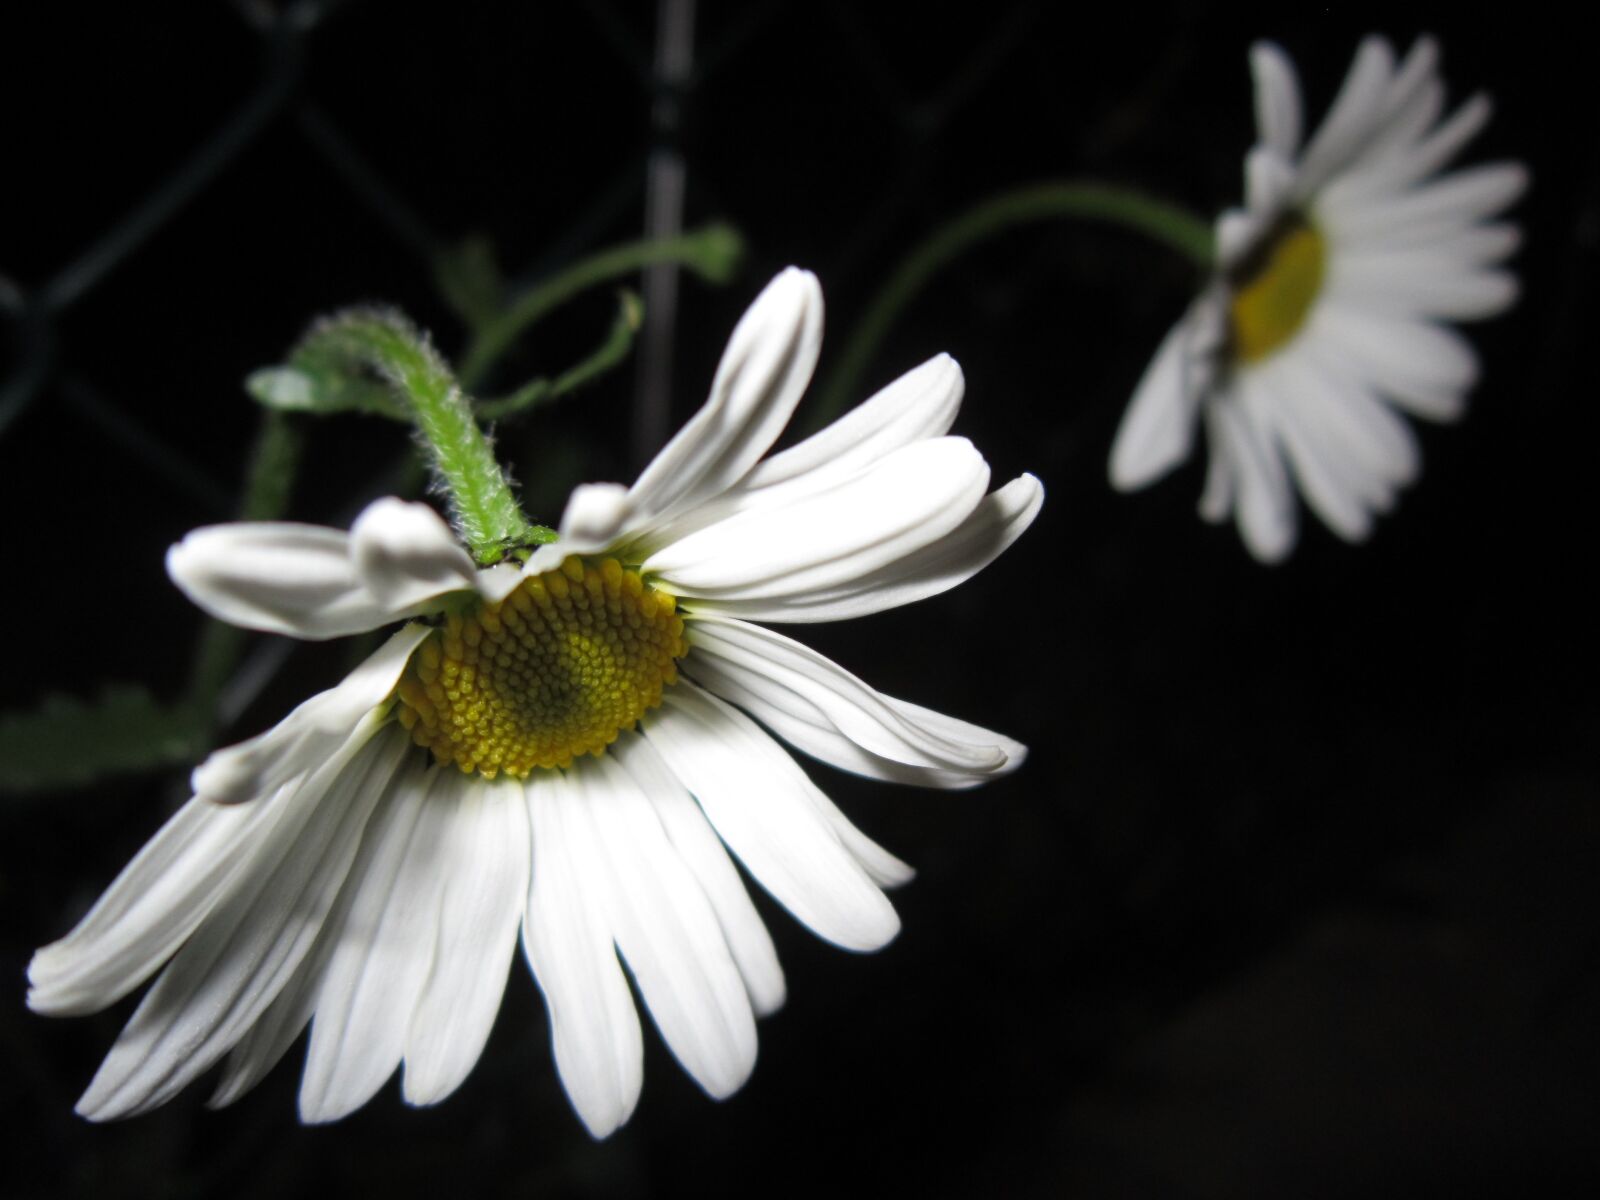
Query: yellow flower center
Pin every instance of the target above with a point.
(1278, 285)
(556, 670)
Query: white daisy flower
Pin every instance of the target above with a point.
(569, 747)
(1326, 311)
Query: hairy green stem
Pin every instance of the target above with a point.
(711, 252)
(1090, 201)
(485, 512)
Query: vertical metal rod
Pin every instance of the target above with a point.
(666, 178)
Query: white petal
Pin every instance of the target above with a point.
(486, 871)
(254, 768)
(913, 497)
(1277, 98)
(598, 515)
(1421, 285)
(921, 404)
(694, 839)
(798, 680)
(1217, 498)
(999, 520)
(1265, 505)
(252, 942)
(1324, 479)
(595, 1029)
(1431, 211)
(276, 576)
(384, 949)
(406, 555)
(1423, 367)
(666, 931)
(1350, 121)
(149, 911)
(1269, 182)
(1157, 431)
(305, 581)
(759, 801)
(763, 373)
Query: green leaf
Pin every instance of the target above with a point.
(67, 742)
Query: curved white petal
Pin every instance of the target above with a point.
(149, 910)
(252, 942)
(276, 576)
(913, 497)
(760, 803)
(921, 404)
(594, 1026)
(666, 931)
(762, 375)
(309, 582)
(1157, 430)
(706, 858)
(796, 679)
(487, 853)
(999, 519)
(254, 768)
(405, 555)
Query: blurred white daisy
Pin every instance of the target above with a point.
(568, 747)
(1326, 310)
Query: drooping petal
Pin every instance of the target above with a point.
(999, 519)
(405, 555)
(792, 678)
(306, 581)
(252, 942)
(149, 910)
(759, 801)
(921, 404)
(594, 1026)
(487, 852)
(917, 495)
(1157, 430)
(666, 930)
(706, 858)
(254, 768)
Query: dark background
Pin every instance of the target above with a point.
(1296, 894)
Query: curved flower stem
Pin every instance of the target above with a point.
(1087, 200)
(615, 347)
(485, 512)
(711, 251)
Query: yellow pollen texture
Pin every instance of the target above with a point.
(1272, 301)
(556, 670)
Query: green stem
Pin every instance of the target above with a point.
(711, 252)
(618, 341)
(485, 512)
(269, 479)
(1110, 203)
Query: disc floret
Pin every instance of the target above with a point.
(556, 670)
